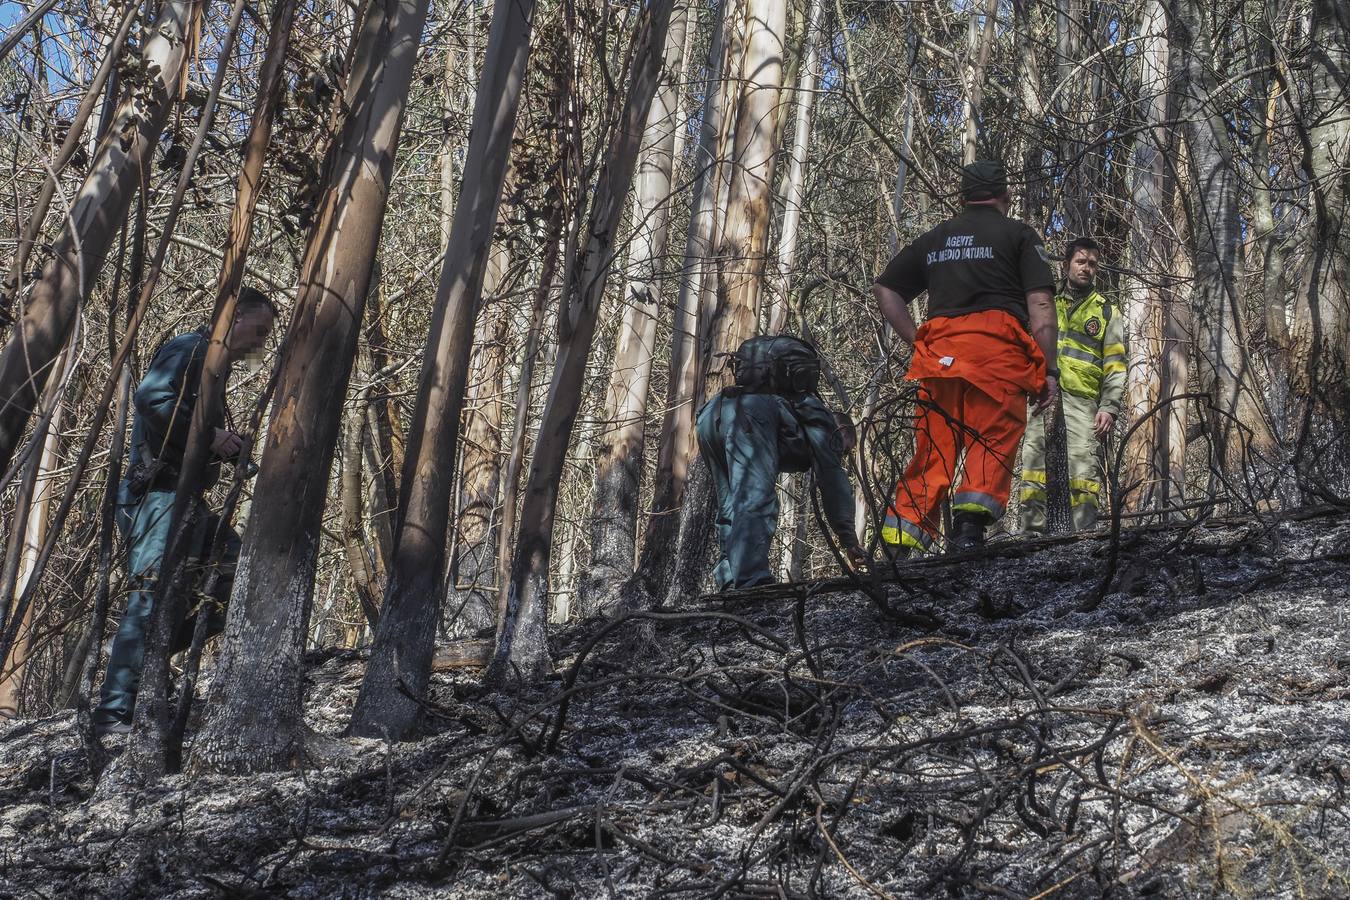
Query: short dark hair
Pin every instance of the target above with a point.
(1080, 243)
(250, 296)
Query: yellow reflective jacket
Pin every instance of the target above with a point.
(1091, 350)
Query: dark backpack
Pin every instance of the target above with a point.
(778, 364)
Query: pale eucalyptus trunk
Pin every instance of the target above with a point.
(648, 585)
(619, 454)
(1145, 298)
(979, 42)
(794, 188)
(28, 532)
(99, 207)
(1226, 367)
(742, 253)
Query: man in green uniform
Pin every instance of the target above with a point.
(163, 402)
(1092, 383)
(772, 421)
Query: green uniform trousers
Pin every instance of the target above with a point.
(144, 522)
(1084, 468)
(747, 440)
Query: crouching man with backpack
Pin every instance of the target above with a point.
(772, 421)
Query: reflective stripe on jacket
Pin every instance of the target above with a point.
(1091, 350)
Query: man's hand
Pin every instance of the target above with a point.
(855, 557)
(846, 433)
(1048, 395)
(1103, 424)
(225, 444)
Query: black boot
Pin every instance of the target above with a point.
(895, 552)
(967, 531)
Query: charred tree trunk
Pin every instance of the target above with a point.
(401, 657)
(96, 212)
(521, 649)
(256, 721)
(619, 455)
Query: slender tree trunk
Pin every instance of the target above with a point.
(256, 721)
(1178, 339)
(656, 563)
(360, 559)
(27, 535)
(98, 209)
(1226, 369)
(406, 636)
(741, 254)
(520, 420)
(1271, 250)
(37, 215)
(795, 187)
(619, 457)
(521, 650)
(979, 42)
(1035, 187)
(473, 572)
(1145, 299)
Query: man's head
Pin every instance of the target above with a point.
(985, 183)
(254, 316)
(1081, 258)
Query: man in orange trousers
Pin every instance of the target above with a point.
(991, 327)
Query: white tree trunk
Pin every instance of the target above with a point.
(1144, 298)
(619, 454)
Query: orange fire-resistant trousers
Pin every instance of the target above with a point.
(976, 371)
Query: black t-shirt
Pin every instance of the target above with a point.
(978, 260)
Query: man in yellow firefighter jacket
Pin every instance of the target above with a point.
(1092, 383)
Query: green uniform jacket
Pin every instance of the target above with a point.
(1092, 379)
(1091, 351)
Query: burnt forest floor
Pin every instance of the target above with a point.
(1190, 736)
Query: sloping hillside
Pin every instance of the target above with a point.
(1190, 736)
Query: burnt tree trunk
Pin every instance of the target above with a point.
(400, 659)
(256, 722)
(618, 468)
(521, 649)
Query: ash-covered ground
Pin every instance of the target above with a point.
(1190, 736)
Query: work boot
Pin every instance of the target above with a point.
(896, 552)
(111, 726)
(967, 532)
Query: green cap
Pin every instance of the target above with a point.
(983, 179)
